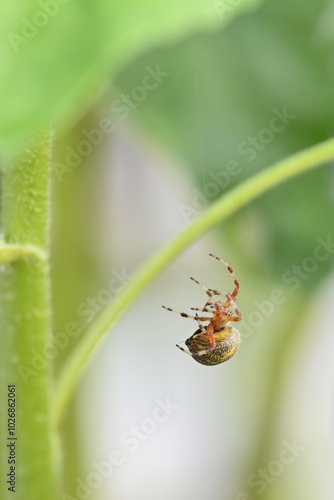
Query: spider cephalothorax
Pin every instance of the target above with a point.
(217, 341)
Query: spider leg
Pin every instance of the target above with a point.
(230, 302)
(212, 300)
(224, 294)
(210, 294)
(206, 308)
(183, 350)
(205, 351)
(217, 292)
(198, 353)
(236, 281)
(208, 332)
(202, 309)
(185, 315)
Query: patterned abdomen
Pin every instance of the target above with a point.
(227, 343)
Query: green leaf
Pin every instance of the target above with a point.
(55, 53)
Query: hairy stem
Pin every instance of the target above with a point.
(12, 253)
(25, 311)
(225, 206)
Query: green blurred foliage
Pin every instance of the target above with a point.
(55, 53)
(222, 89)
(75, 258)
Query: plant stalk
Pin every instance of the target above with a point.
(26, 320)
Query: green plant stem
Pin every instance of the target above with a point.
(226, 205)
(12, 253)
(25, 301)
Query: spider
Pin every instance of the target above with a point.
(217, 341)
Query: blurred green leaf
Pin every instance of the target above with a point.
(223, 93)
(54, 53)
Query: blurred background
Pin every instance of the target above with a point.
(158, 110)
